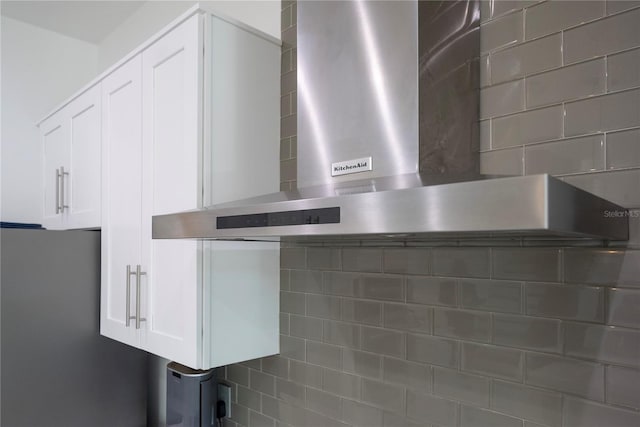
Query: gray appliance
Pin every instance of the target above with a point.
(388, 140)
(191, 396)
(57, 370)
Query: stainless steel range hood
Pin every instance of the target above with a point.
(388, 106)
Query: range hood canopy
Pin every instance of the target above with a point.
(537, 206)
(388, 141)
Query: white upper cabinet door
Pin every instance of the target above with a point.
(172, 181)
(71, 142)
(55, 150)
(121, 200)
(82, 194)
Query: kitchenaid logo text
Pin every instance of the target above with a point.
(351, 166)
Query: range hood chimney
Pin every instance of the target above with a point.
(388, 141)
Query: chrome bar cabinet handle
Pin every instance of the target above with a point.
(57, 191)
(128, 313)
(138, 273)
(62, 174)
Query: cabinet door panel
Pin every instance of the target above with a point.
(172, 182)
(83, 180)
(54, 149)
(121, 197)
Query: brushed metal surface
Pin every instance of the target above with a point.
(449, 82)
(536, 205)
(357, 88)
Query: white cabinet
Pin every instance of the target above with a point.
(171, 119)
(202, 304)
(121, 201)
(71, 164)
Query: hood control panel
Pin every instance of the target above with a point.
(277, 219)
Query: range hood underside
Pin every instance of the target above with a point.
(537, 206)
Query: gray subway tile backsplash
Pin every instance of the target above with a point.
(460, 386)
(249, 398)
(324, 258)
(292, 302)
(261, 382)
(276, 365)
(329, 356)
(292, 348)
(539, 264)
(623, 148)
(616, 6)
(475, 417)
(412, 375)
(502, 162)
(492, 361)
(566, 83)
(501, 32)
(431, 409)
(565, 301)
(361, 415)
(527, 58)
(469, 325)
(602, 266)
(305, 281)
(303, 373)
(305, 327)
(491, 10)
(623, 307)
(491, 295)
(406, 261)
(432, 291)
(363, 363)
(340, 383)
(341, 333)
(386, 396)
(552, 16)
(361, 259)
(576, 155)
(238, 374)
(526, 402)
(610, 344)
(623, 386)
(380, 287)
(583, 413)
(290, 392)
(433, 350)
(240, 414)
(527, 332)
(383, 341)
(407, 317)
(502, 99)
(258, 420)
(366, 312)
(544, 124)
(620, 187)
(340, 283)
(323, 403)
(293, 257)
(327, 307)
(460, 262)
(552, 332)
(567, 375)
(623, 70)
(618, 110)
(609, 35)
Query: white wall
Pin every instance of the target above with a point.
(153, 15)
(40, 69)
